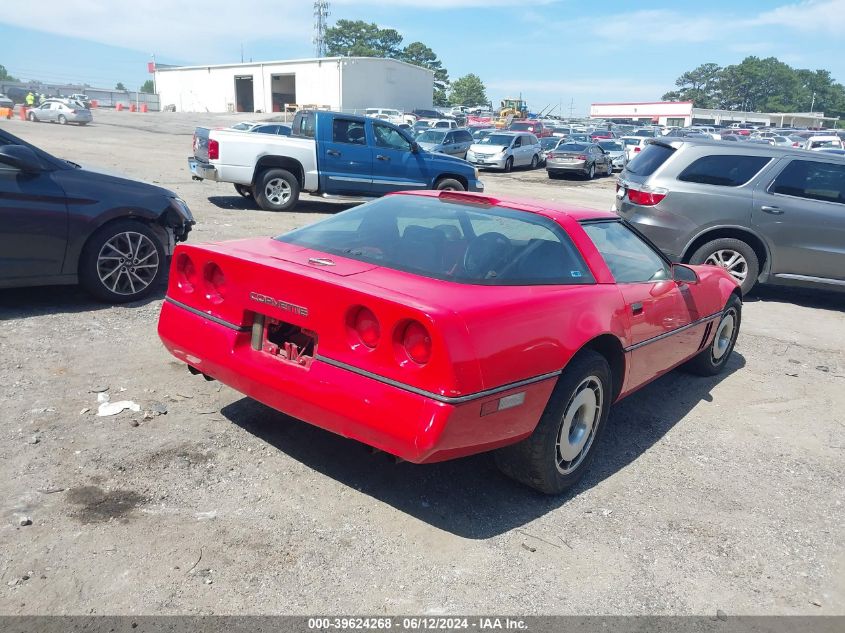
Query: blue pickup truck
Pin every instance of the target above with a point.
(328, 153)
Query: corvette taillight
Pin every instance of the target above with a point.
(215, 283)
(186, 273)
(417, 342)
(366, 326)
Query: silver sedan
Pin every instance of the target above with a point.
(61, 112)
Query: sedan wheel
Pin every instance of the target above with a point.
(534, 161)
(62, 119)
(591, 172)
(127, 263)
(31, 117)
(122, 262)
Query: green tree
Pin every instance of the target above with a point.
(120, 86)
(698, 85)
(468, 90)
(419, 54)
(356, 38)
(148, 86)
(5, 76)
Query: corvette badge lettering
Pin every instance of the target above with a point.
(276, 303)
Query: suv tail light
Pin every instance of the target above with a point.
(213, 149)
(646, 198)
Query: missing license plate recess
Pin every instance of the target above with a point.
(284, 340)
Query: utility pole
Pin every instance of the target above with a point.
(242, 53)
(321, 12)
(813, 103)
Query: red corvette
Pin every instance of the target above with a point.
(440, 324)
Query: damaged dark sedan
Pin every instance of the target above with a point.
(62, 224)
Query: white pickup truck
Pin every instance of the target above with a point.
(328, 153)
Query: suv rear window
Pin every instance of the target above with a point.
(649, 159)
(450, 240)
(724, 170)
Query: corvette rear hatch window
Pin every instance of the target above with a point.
(451, 240)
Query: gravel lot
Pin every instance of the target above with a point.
(708, 494)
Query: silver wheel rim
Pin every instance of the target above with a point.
(127, 263)
(579, 425)
(592, 171)
(730, 260)
(277, 191)
(724, 336)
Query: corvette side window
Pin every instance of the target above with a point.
(629, 259)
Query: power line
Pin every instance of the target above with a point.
(321, 12)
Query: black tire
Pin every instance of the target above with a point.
(591, 172)
(534, 460)
(553, 174)
(713, 358)
(449, 184)
(31, 117)
(509, 164)
(535, 161)
(98, 258)
(745, 272)
(609, 169)
(62, 120)
(244, 190)
(276, 201)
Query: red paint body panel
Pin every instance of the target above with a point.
(482, 337)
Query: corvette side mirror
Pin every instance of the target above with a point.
(684, 274)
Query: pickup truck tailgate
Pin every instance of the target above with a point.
(201, 144)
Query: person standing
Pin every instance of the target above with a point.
(30, 99)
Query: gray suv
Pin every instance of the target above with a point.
(767, 214)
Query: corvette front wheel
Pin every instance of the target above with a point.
(559, 452)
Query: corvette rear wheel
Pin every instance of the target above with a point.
(713, 358)
(558, 453)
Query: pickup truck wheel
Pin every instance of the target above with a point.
(559, 451)
(449, 184)
(244, 190)
(123, 261)
(277, 190)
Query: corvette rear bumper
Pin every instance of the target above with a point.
(390, 417)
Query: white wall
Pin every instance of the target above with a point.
(367, 82)
(659, 109)
(212, 88)
(385, 83)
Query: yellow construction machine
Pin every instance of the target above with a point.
(511, 109)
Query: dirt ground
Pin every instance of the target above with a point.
(707, 494)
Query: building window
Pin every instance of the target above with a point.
(679, 122)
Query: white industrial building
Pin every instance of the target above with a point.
(682, 114)
(339, 83)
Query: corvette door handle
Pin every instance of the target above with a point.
(772, 210)
(333, 152)
(382, 157)
(636, 308)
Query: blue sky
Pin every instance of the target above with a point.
(553, 52)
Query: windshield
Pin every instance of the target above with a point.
(549, 142)
(497, 139)
(631, 141)
(450, 240)
(611, 146)
(522, 127)
(431, 136)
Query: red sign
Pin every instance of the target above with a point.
(151, 67)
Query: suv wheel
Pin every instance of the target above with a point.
(735, 256)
